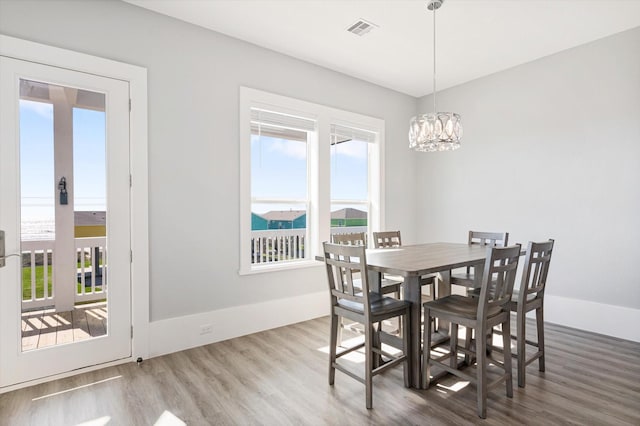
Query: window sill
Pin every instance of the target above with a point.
(280, 267)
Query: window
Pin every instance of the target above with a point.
(306, 171)
(350, 178)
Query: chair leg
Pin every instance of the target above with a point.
(540, 324)
(521, 336)
(506, 344)
(333, 343)
(339, 332)
(481, 360)
(468, 334)
(368, 361)
(426, 351)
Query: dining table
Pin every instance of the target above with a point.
(411, 262)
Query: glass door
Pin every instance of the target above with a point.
(64, 153)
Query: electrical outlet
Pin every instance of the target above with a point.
(206, 329)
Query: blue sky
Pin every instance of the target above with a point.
(37, 156)
(279, 170)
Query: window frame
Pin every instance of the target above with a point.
(318, 173)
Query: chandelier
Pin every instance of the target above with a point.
(436, 131)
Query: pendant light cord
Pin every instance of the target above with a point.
(434, 58)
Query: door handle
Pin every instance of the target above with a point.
(4, 256)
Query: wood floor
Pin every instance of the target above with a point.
(279, 377)
(45, 327)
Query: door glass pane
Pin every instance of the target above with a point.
(63, 214)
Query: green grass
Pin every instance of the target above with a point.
(26, 281)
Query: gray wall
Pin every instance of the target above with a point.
(194, 78)
(551, 150)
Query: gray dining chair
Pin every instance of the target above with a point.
(529, 297)
(466, 277)
(481, 314)
(358, 303)
(387, 286)
(390, 239)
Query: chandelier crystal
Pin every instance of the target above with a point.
(436, 131)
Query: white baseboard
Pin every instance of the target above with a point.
(177, 334)
(616, 321)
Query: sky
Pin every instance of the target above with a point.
(278, 166)
(37, 160)
(279, 170)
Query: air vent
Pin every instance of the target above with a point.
(361, 27)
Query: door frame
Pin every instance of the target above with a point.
(137, 78)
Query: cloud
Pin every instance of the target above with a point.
(40, 108)
(297, 150)
(351, 149)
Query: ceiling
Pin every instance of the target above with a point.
(475, 38)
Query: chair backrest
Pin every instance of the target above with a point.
(386, 239)
(352, 239)
(344, 262)
(491, 239)
(536, 268)
(498, 239)
(498, 279)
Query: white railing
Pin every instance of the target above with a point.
(92, 278)
(279, 245)
(32, 251)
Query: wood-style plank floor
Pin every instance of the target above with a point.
(279, 377)
(45, 327)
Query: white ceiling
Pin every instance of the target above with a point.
(474, 37)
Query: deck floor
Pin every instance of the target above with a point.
(46, 327)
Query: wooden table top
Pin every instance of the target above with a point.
(422, 259)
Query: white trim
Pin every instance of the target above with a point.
(177, 334)
(611, 320)
(318, 219)
(283, 266)
(137, 78)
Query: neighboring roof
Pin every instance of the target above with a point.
(90, 218)
(286, 215)
(348, 213)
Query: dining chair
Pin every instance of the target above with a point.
(390, 239)
(528, 297)
(358, 303)
(480, 314)
(387, 286)
(489, 239)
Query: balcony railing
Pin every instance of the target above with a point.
(39, 287)
(281, 245)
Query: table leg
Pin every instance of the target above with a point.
(444, 289)
(412, 293)
(375, 280)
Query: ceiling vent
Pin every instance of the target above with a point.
(361, 27)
